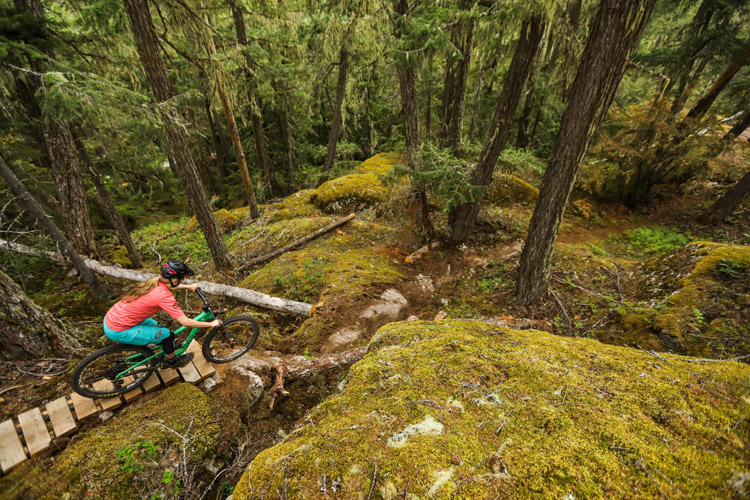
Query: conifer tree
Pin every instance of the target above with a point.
(180, 157)
(614, 35)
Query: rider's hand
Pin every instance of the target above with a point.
(192, 286)
(216, 322)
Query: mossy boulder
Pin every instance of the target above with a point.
(350, 192)
(225, 220)
(380, 164)
(506, 188)
(90, 468)
(300, 203)
(698, 296)
(467, 409)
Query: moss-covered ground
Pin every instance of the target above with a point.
(98, 464)
(472, 410)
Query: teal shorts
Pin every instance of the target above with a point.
(146, 333)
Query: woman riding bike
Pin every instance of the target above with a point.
(129, 322)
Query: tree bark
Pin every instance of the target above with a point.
(30, 204)
(410, 110)
(69, 184)
(337, 120)
(145, 39)
(463, 217)
(219, 151)
(721, 82)
(28, 331)
(286, 137)
(613, 37)
(106, 205)
(234, 134)
(729, 201)
(58, 142)
(256, 115)
(456, 76)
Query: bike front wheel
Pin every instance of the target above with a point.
(231, 340)
(113, 370)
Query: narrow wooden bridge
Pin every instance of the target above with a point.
(31, 432)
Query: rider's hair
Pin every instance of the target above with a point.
(141, 289)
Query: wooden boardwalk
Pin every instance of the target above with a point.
(31, 432)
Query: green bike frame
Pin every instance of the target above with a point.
(206, 315)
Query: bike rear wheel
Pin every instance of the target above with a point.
(113, 370)
(231, 340)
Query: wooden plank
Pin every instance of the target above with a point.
(169, 376)
(190, 373)
(35, 431)
(131, 395)
(108, 403)
(84, 407)
(61, 418)
(205, 368)
(151, 383)
(11, 449)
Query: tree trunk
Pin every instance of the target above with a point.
(463, 217)
(28, 331)
(336, 122)
(219, 151)
(410, 110)
(107, 206)
(687, 86)
(428, 111)
(286, 138)
(256, 115)
(475, 106)
(30, 204)
(721, 82)
(456, 75)
(145, 38)
(234, 133)
(67, 173)
(613, 37)
(58, 142)
(729, 201)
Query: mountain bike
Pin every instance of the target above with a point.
(120, 368)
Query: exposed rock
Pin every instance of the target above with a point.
(566, 415)
(392, 302)
(341, 340)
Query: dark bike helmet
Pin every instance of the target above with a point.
(175, 269)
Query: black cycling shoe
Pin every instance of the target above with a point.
(177, 361)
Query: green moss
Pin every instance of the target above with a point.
(648, 241)
(120, 256)
(567, 416)
(172, 240)
(349, 192)
(689, 291)
(381, 164)
(225, 220)
(334, 268)
(299, 204)
(88, 466)
(510, 189)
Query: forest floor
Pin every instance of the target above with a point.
(597, 291)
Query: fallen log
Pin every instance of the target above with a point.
(242, 294)
(287, 372)
(296, 243)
